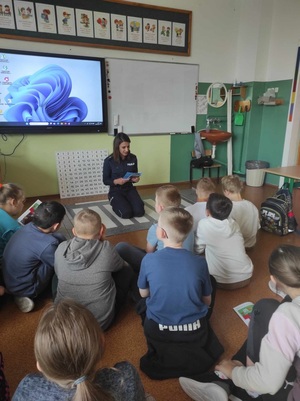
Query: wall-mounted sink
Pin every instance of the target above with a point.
(215, 136)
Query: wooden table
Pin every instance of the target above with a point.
(291, 175)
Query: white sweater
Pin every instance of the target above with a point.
(280, 349)
(246, 214)
(224, 250)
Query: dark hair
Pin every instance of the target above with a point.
(119, 138)
(48, 213)
(284, 264)
(219, 206)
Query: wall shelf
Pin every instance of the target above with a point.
(239, 91)
(275, 102)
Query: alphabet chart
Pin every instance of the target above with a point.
(80, 172)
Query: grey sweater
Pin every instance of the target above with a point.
(84, 269)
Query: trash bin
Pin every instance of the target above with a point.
(255, 174)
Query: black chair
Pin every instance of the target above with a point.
(203, 168)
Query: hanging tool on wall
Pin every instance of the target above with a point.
(239, 117)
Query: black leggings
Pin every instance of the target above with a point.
(126, 203)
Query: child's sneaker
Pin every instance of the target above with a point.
(273, 288)
(202, 391)
(25, 304)
(149, 397)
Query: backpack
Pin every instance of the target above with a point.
(203, 161)
(276, 214)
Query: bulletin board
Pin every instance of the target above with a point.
(147, 97)
(114, 24)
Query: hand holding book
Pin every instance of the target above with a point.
(130, 175)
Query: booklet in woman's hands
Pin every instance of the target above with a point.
(130, 175)
(244, 311)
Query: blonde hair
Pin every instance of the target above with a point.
(168, 195)
(10, 191)
(232, 184)
(284, 265)
(68, 345)
(87, 223)
(205, 187)
(177, 223)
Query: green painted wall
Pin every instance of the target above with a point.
(260, 138)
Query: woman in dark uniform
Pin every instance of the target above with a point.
(123, 196)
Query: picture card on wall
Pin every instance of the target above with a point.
(150, 30)
(65, 21)
(164, 32)
(135, 29)
(45, 16)
(6, 15)
(102, 25)
(25, 15)
(118, 27)
(84, 23)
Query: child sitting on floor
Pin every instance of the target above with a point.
(12, 200)
(165, 196)
(28, 259)
(244, 212)
(177, 288)
(68, 347)
(220, 237)
(204, 188)
(90, 271)
(268, 364)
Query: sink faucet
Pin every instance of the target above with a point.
(208, 121)
(213, 120)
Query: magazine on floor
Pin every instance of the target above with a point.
(244, 311)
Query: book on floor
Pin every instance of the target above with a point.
(26, 217)
(244, 311)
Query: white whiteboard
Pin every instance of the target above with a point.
(147, 97)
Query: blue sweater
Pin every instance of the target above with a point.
(28, 261)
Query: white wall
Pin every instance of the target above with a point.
(231, 39)
(213, 47)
